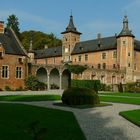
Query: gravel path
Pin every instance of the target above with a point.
(102, 123)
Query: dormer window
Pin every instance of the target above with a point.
(20, 60)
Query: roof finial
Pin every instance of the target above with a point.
(71, 12)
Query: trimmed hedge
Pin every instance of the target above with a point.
(80, 96)
(91, 84)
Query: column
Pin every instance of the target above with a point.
(48, 81)
(60, 84)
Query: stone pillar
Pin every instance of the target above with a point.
(48, 81)
(60, 83)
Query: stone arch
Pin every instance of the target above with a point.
(41, 74)
(93, 75)
(54, 78)
(103, 77)
(66, 79)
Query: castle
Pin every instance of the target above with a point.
(112, 60)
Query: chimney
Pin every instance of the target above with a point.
(98, 36)
(1, 27)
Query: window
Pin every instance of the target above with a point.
(104, 65)
(66, 50)
(86, 57)
(18, 72)
(99, 66)
(135, 67)
(124, 42)
(114, 66)
(129, 54)
(5, 71)
(20, 60)
(1, 55)
(79, 58)
(114, 54)
(103, 55)
(128, 64)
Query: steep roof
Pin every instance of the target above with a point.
(137, 45)
(95, 45)
(125, 30)
(49, 52)
(11, 43)
(71, 27)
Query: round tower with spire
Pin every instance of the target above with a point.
(70, 37)
(125, 50)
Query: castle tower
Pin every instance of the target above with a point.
(125, 50)
(70, 37)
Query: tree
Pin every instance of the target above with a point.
(76, 69)
(12, 21)
(39, 39)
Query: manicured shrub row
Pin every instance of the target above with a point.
(80, 96)
(91, 84)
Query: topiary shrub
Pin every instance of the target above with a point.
(80, 96)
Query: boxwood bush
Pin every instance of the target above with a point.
(80, 96)
(92, 84)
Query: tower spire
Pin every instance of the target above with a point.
(71, 27)
(125, 30)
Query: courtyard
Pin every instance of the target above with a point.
(96, 123)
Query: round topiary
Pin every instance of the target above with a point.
(80, 96)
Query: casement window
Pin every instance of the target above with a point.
(104, 55)
(114, 54)
(114, 66)
(18, 72)
(79, 58)
(5, 72)
(104, 65)
(99, 66)
(86, 57)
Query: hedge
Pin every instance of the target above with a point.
(80, 96)
(91, 84)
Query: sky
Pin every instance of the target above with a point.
(90, 16)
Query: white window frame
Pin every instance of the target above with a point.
(18, 72)
(5, 72)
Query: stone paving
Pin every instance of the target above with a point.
(102, 123)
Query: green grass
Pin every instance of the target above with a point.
(133, 116)
(16, 118)
(120, 100)
(121, 94)
(28, 98)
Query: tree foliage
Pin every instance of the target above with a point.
(12, 22)
(39, 39)
(76, 69)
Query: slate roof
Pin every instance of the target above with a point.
(95, 45)
(10, 43)
(125, 31)
(137, 45)
(49, 52)
(71, 27)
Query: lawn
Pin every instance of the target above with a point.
(29, 98)
(133, 116)
(120, 99)
(16, 120)
(121, 94)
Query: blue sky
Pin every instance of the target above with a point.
(90, 16)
